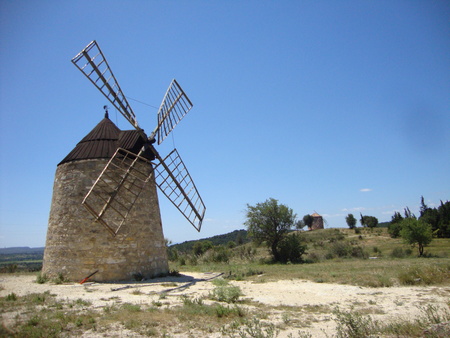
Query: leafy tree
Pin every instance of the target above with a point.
(444, 219)
(351, 221)
(395, 225)
(371, 221)
(308, 220)
(300, 224)
(409, 214)
(368, 221)
(269, 222)
(362, 220)
(416, 232)
(439, 218)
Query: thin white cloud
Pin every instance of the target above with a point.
(354, 209)
(365, 190)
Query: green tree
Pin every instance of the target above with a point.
(395, 225)
(439, 218)
(268, 222)
(416, 232)
(368, 221)
(351, 221)
(371, 221)
(308, 220)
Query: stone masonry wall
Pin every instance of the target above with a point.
(76, 245)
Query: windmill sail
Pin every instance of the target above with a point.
(174, 181)
(117, 188)
(92, 63)
(175, 105)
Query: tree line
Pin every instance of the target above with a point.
(432, 222)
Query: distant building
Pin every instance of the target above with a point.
(317, 222)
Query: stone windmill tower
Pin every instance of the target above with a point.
(317, 222)
(105, 217)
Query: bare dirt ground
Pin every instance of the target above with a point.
(292, 305)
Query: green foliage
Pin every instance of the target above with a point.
(11, 297)
(41, 278)
(226, 293)
(398, 252)
(394, 229)
(394, 226)
(439, 218)
(268, 222)
(432, 323)
(416, 232)
(424, 275)
(351, 221)
(219, 254)
(201, 247)
(238, 236)
(291, 249)
(253, 328)
(369, 221)
(352, 324)
(343, 249)
(308, 220)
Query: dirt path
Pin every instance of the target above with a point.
(293, 305)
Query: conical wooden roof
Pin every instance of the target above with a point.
(103, 141)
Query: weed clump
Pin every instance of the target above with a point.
(225, 292)
(41, 278)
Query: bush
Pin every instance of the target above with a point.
(41, 278)
(400, 253)
(352, 324)
(226, 293)
(358, 252)
(291, 249)
(344, 249)
(394, 229)
(220, 255)
(339, 249)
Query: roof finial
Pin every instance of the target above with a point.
(106, 112)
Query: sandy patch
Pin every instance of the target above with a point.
(292, 304)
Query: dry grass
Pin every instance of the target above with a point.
(380, 270)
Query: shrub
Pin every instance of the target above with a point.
(41, 278)
(220, 255)
(291, 249)
(226, 293)
(11, 297)
(358, 252)
(339, 249)
(400, 253)
(59, 279)
(352, 324)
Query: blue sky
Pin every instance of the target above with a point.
(330, 106)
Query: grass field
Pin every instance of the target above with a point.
(370, 258)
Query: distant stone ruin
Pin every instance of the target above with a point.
(317, 222)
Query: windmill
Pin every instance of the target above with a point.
(170, 173)
(116, 192)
